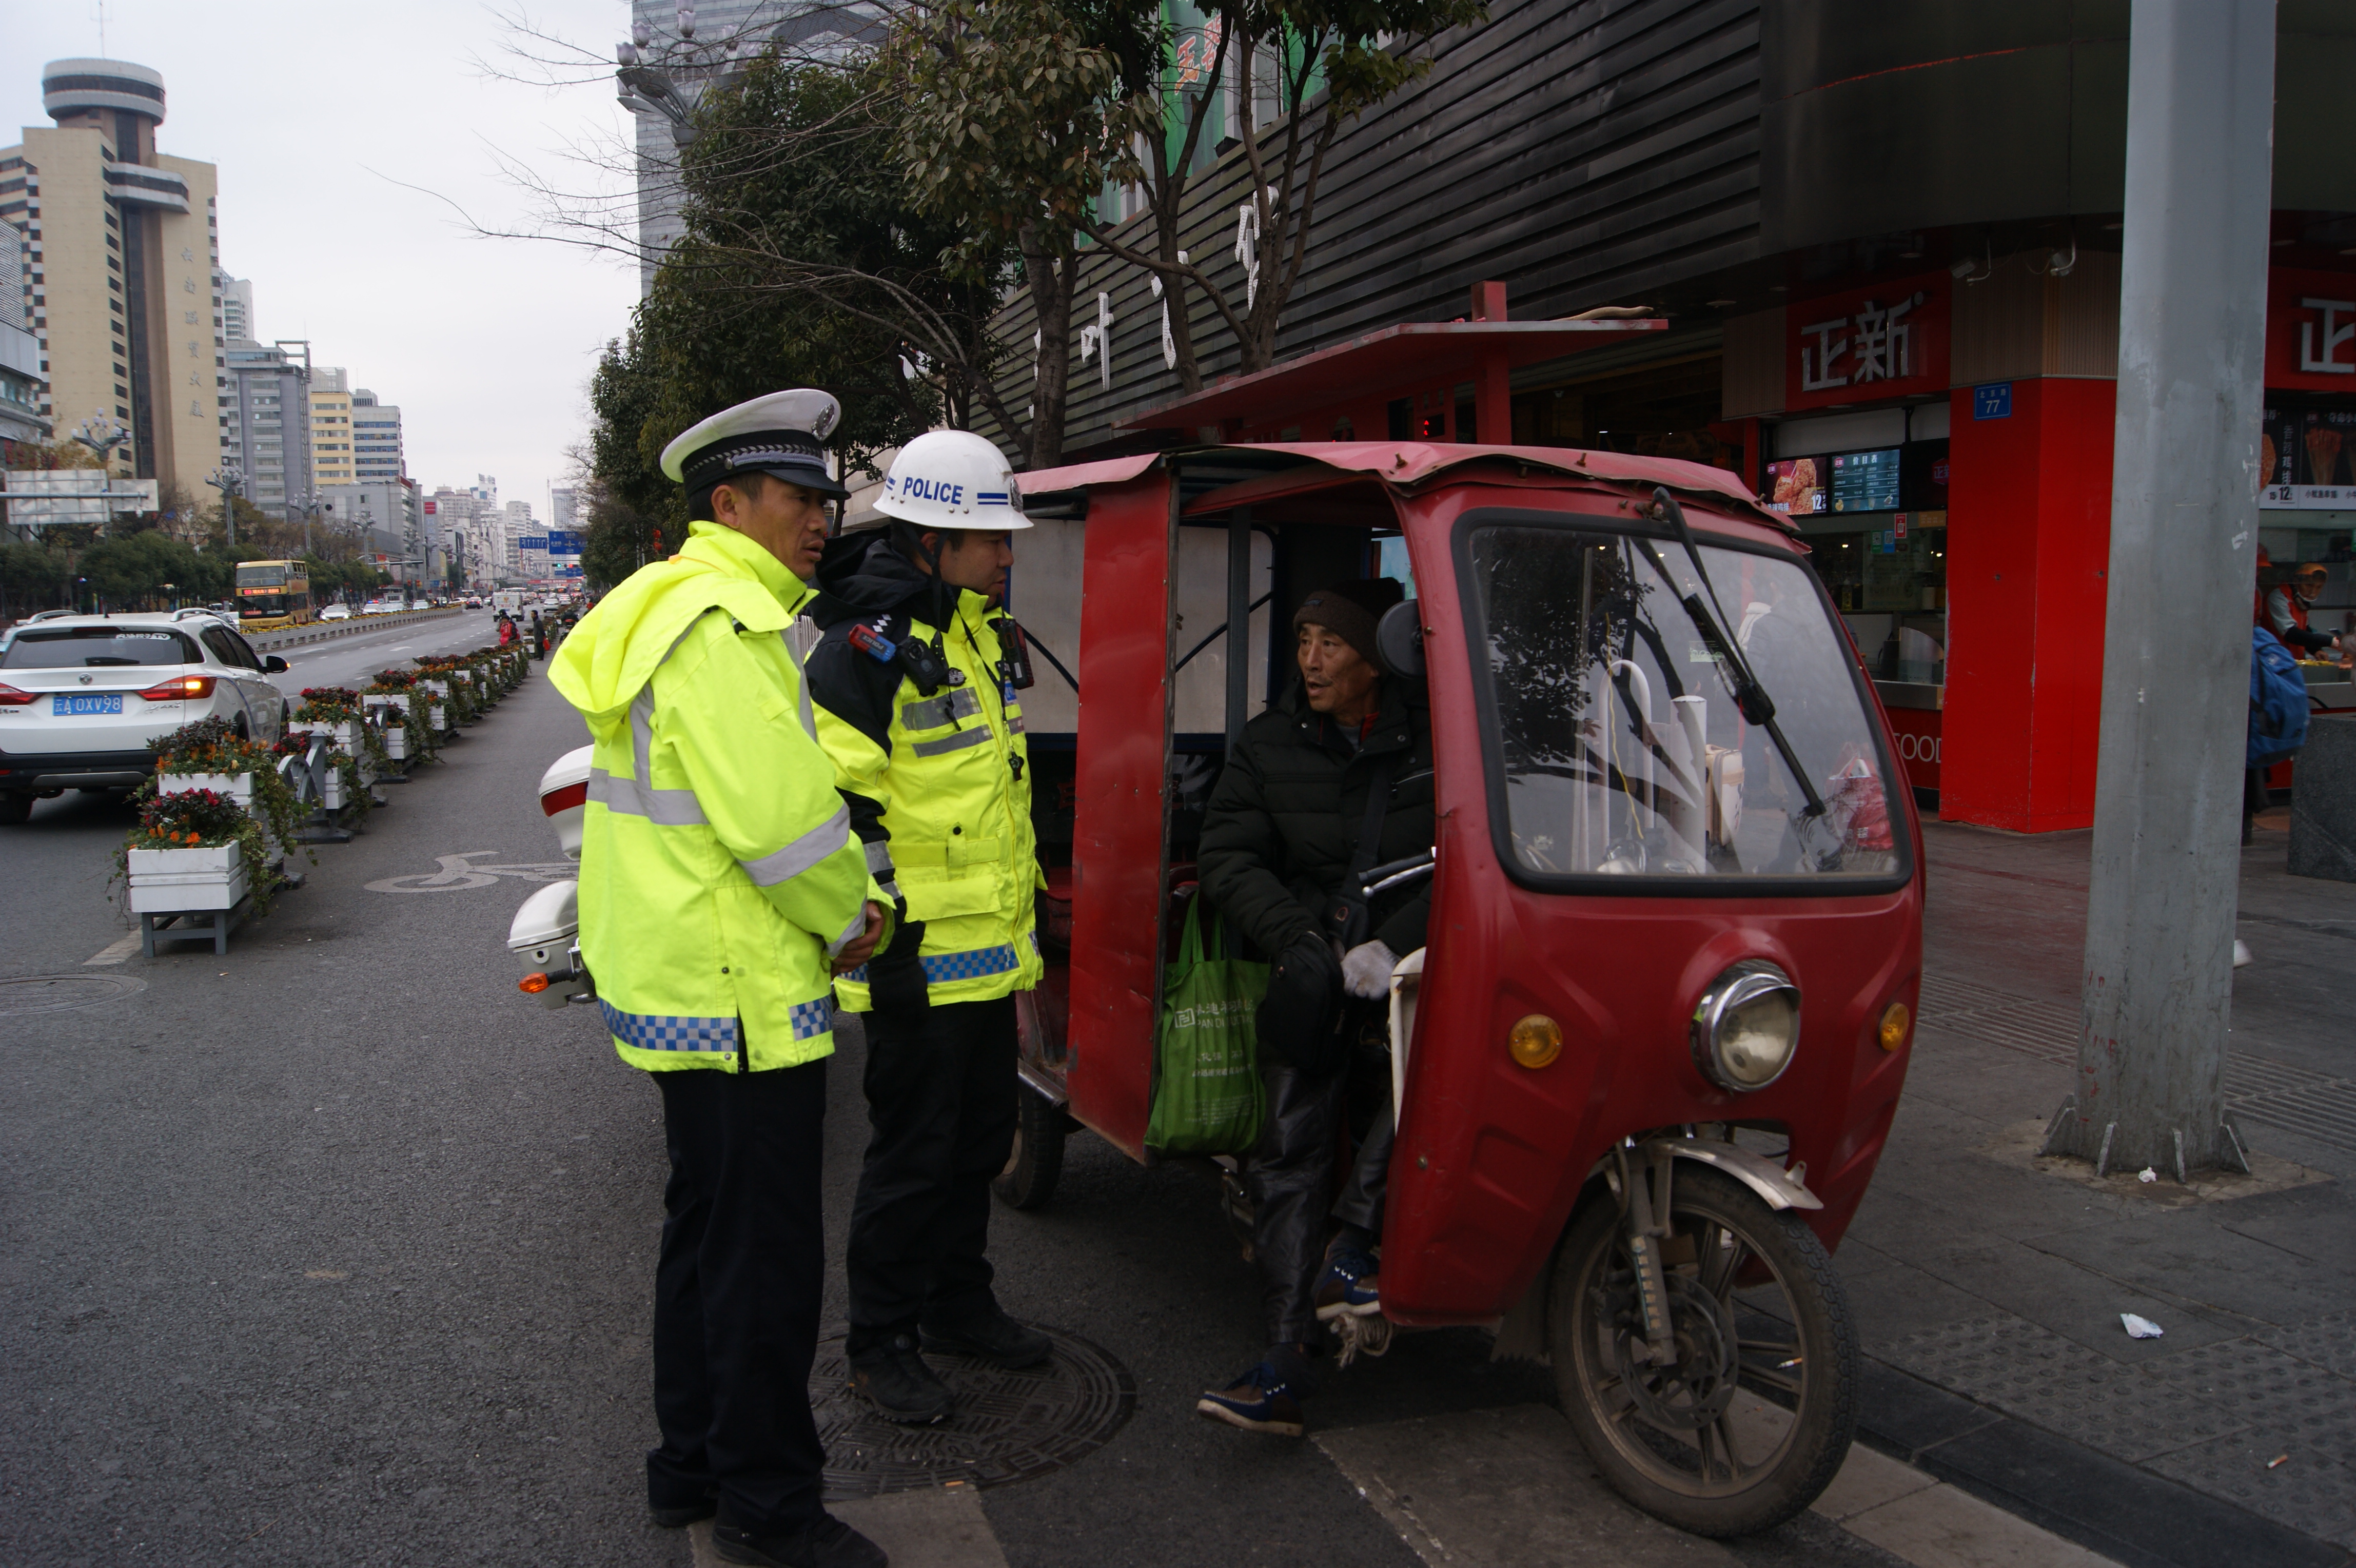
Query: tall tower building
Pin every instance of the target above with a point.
(693, 45)
(236, 309)
(21, 379)
(123, 250)
(377, 456)
(331, 427)
(269, 437)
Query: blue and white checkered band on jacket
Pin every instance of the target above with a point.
(756, 449)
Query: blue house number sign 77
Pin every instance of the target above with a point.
(1992, 400)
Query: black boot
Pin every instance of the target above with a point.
(996, 1338)
(896, 1380)
(828, 1543)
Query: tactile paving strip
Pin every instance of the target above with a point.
(1007, 1425)
(2310, 1491)
(2328, 1342)
(2210, 1417)
(2062, 1386)
(2273, 1093)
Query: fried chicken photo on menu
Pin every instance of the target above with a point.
(2322, 455)
(1795, 483)
(2265, 460)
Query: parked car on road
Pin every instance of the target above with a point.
(336, 612)
(378, 607)
(83, 698)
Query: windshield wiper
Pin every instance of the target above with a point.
(1749, 696)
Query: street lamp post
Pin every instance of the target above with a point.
(229, 481)
(103, 433)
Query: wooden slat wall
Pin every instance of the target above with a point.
(1583, 151)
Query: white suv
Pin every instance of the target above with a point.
(83, 698)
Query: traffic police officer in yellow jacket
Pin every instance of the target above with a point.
(720, 886)
(917, 684)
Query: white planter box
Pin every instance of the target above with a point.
(164, 881)
(396, 743)
(236, 786)
(332, 791)
(366, 763)
(396, 701)
(345, 733)
(434, 718)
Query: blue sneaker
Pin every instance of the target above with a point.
(1351, 1287)
(1262, 1399)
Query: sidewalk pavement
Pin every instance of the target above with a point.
(1988, 1283)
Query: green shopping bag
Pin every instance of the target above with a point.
(1207, 1099)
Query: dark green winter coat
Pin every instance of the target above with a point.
(1284, 820)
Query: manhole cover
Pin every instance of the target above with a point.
(57, 992)
(1007, 1426)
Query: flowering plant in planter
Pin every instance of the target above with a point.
(211, 749)
(340, 705)
(200, 819)
(416, 731)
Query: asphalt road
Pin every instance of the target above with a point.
(334, 1249)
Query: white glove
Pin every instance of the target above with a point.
(1367, 970)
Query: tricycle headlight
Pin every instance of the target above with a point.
(1747, 1026)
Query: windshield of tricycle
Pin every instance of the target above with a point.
(1618, 754)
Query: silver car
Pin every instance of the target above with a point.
(83, 698)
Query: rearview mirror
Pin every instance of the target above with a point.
(1398, 638)
(274, 665)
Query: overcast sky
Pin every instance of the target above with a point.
(313, 110)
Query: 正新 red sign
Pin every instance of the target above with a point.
(1885, 340)
(2311, 330)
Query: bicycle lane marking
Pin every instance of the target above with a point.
(456, 873)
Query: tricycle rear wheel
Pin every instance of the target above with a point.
(1037, 1160)
(1754, 1418)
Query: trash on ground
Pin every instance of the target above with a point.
(2277, 1459)
(2240, 953)
(2141, 1328)
(2146, 1174)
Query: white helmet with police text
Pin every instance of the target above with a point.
(953, 478)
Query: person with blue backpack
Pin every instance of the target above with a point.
(2277, 717)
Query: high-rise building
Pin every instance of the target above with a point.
(20, 352)
(236, 309)
(563, 509)
(123, 250)
(331, 427)
(724, 31)
(375, 439)
(388, 520)
(520, 527)
(271, 449)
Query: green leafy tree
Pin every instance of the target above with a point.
(1305, 69)
(1012, 119)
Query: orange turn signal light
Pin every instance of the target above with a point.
(1894, 1022)
(534, 982)
(1534, 1041)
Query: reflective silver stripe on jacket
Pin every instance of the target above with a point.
(934, 712)
(637, 796)
(956, 742)
(780, 865)
(879, 855)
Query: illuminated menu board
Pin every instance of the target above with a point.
(1865, 481)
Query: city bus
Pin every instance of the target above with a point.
(273, 591)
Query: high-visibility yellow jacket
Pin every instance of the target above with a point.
(938, 785)
(718, 869)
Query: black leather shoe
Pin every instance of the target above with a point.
(896, 1381)
(997, 1338)
(682, 1515)
(828, 1543)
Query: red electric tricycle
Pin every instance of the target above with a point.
(1645, 1065)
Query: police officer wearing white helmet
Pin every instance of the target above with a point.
(917, 684)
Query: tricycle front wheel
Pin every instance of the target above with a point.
(1753, 1417)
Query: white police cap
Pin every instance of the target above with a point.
(783, 434)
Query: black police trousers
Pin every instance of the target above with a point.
(737, 1296)
(1290, 1178)
(940, 1103)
